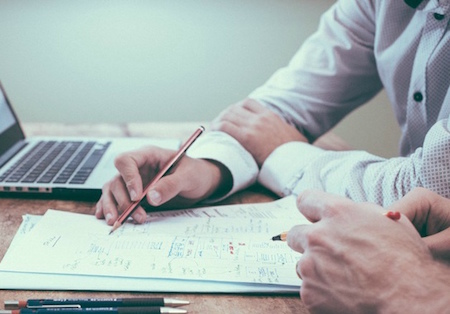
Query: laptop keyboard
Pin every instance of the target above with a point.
(56, 162)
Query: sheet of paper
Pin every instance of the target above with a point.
(38, 281)
(225, 245)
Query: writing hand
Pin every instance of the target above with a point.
(258, 129)
(191, 181)
(356, 260)
(430, 214)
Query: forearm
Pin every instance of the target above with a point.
(295, 167)
(325, 80)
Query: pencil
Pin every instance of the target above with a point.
(281, 237)
(390, 214)
(92, 302)
(172, 162)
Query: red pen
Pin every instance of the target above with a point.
(393, 215)
(130, 209)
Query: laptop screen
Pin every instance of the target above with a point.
(6, 116)
(10, 130)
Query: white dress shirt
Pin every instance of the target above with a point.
(360, 47)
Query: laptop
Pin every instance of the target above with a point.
(58, 167)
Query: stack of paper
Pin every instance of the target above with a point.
(209, 249)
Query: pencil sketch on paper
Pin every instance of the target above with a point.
(227, 243)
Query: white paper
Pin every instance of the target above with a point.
(212, 249)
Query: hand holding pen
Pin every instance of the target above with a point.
(393, 215)
(125, 190)
(163, 171)
(354, 252)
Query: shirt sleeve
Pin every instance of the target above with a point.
(333, 72)
(361, 176)
(221, 147)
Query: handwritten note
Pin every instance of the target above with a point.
(218, 243)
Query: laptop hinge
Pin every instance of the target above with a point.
(12, 152)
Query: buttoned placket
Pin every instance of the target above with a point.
(434, 27)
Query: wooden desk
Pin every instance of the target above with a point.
(11, 211)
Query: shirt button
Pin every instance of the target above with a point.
(418, 96)
(438, 16)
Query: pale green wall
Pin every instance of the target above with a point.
(135, 60)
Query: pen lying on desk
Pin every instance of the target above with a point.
(98, 310)
(108, 302)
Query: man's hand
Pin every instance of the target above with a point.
(430, 214)
(191, 180)
(258, 129)
(356, 260)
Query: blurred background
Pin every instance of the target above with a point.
(146, 60)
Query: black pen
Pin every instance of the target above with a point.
(108, 302)
(98, 310)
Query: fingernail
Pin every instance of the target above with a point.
(108, 218)
(155, 197)
(133, 195)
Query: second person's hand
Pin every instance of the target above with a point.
(258, 129)
(430, 214)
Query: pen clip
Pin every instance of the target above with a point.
(49, 306)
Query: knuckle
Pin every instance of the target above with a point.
(305, 265)
(315, 238)
(221, 125)
(107, 186)
(121, 160)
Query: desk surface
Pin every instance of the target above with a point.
(11, 211)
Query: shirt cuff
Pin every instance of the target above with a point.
(221, 147)
(283, 169)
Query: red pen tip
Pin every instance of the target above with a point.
(393, 215)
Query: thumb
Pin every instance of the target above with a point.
(415, 206)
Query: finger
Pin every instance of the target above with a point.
(108, 206)
(439, 245)
(236, 115)
(253, 106)
(298, 270)
(122, 199)
(114, 199)
(305, 266)
(129, 165)
(228, 127)
(165, 189)
(418, 205)
(139, 215)
(297, 237)
(99, 208)
(315, 204)
(411, 204)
